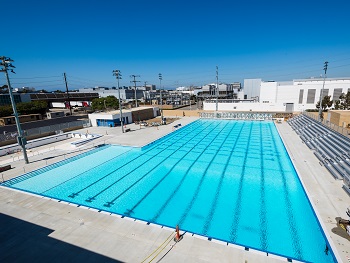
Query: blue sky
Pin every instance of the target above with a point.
(183, 40)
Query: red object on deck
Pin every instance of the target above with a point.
(177, 237)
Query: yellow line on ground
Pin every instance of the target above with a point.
(158, 248)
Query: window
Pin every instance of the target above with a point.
(301, 95)
(311, 96)
(325, 92)
(337, 93)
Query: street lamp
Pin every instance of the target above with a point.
(320, 117)
(160, 95)
(118, 76)
(217, 88)
(5, 65)
(135, 81)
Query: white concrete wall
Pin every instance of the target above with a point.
(317, 84)
(275, 95)
(251, 88)
(245, 106)
(240, 95)
(287, 94)
(268, 91)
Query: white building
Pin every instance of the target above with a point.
(23, 89)
(224, 90)
(192, 90)
(112, 118)
(293, 96)
(126, 94)
(109, 119)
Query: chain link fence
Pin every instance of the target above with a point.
(57, 128)
(341, 130)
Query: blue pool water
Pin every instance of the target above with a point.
(228, 180)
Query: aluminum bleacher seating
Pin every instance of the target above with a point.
(330, 147)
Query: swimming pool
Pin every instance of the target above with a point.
(228, 180)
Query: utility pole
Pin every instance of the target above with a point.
(146, 93)
(160, 95)
(217, 87)
(320, 115)
(118, 76)
(65, 81)
(6, 63)
(135, 76)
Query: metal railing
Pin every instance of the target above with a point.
(236, 115)
(341, 130)
(46, 129)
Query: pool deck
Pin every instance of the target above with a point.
(42, 229)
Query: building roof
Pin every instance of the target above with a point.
(124, 111)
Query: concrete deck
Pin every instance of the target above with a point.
(41, 229)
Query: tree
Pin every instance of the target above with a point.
(4, 89)
(110, 102)
(24, 108)
(337, 105)
(6, 111)
(345, 101)
(326, 103)
(33, 107)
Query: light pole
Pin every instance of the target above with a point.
(65, 81)
(320, 117)
(217, 87)
(146, 94)
(135, 76)
(118, 76)
(5, 64)
(160, 95)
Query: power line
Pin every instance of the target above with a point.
(33, 82)
(40, 77)
(84, 79)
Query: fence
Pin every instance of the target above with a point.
(341, 130)
(236, 115)
(46, 129)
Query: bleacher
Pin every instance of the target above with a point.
(329, 146)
